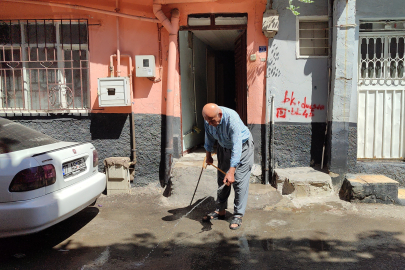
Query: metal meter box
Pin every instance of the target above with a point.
(117, 173)
(145, 65)
(114, 92)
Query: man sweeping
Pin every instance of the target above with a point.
(235, 157)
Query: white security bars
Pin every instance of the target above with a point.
(44, 66)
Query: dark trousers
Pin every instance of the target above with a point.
(242, 176)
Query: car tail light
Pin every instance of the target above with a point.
(33, 178)
(95, 158)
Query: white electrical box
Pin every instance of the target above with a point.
(145, 65)
(114, 92)
(117, 173)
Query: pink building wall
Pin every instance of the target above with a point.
(141, 38)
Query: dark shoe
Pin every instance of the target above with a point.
(213, 216)
(236, 220)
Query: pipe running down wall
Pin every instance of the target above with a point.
(172, 27)
(163, 2)
(112, 13)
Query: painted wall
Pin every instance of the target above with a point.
(110, 140)
(297, 84)
(136, 38)
(255, 38)
(141, 38)
(343, 48)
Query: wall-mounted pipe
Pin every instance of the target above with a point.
(163, 2)
(96, 10)
(117, 8)
(330, 20)
(129, 65)
(131, 69)
(272, 156)
(172, 27)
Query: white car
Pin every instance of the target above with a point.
(42, 180)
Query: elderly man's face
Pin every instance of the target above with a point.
(213, 121)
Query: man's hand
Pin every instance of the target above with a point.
(208, 158)
(229, 178)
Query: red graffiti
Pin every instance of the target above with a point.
(297, 112)
(308, 109)
(312, 107)
(281, 113)
(289, 99)
(306, 114)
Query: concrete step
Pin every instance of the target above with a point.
(303, 182)
(369, 189)
(196, 159)
(401, 196)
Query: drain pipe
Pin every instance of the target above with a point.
(330, 20)
(272, 161)
(181, 1)
(117, 9)
(173, 28)
(77, 7)
(266, 137)
(118, 56)
(131, 69)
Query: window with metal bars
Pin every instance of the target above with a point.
(44, 65)
(381, 51)
(313, 36)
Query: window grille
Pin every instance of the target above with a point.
(381, 57)
(44, 65)
(313, 38)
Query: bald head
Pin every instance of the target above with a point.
(212, 114)
(210, 110)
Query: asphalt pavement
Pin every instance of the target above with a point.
(148, 229)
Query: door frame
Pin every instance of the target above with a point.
(212, 26)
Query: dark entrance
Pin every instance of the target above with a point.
(213, 69)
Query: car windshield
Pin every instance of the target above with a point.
(15, 137)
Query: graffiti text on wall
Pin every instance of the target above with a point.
(295, 107)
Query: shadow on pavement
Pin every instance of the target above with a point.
(202, 207)
(17, 246)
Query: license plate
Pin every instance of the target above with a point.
(73, 167)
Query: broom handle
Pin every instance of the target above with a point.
(215, 166)
(218, 168)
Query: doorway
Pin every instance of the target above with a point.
(381, 95)
(213, 70)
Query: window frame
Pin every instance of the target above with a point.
(60, 48)
(320, 18)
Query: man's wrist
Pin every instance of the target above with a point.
(232, 170)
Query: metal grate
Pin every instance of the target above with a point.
(44, 65)
(381, 95)
(381, 58)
